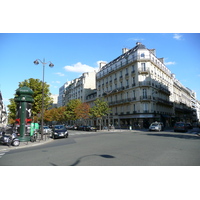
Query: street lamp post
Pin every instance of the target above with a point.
(36, 62)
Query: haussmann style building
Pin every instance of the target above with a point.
(140, 89)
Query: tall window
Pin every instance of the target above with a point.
(133, 68)
(134, 94)
(133, 81)
(143, 66)
(145, 107)
(144, 93)
(127, 83)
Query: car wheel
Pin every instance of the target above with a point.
(16, 143)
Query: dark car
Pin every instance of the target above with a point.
(91, 128)
(180, 126)
(189, 126)
(59, 131)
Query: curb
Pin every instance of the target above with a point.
(24, 145)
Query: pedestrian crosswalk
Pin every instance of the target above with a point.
(3, 152)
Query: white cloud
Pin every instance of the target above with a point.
(56, 82)
(136, 39)
(177, 36)
(170, 63)
(80, 68)
(60, 74)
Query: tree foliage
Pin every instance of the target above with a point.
(70, 108)
(12, 110)
(100, 109)
(36, 86)
(82, 111)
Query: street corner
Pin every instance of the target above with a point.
(23, 144)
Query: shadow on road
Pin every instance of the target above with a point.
(79, 159)
(178, 135)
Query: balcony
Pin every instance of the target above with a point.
(145, 111)
(143, 70)
(126, 76)
(118, 64)
(145, 83)
(164, 90)
(133, 73)
(145, 98)
(164, 102)
(122, 101)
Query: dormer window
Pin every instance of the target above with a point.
(142, 55)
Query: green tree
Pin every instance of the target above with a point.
(12, 110)
(100, 109)
(36, 86)
(70, 109)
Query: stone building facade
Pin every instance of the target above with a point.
(140, 89)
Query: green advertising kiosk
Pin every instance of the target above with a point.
(24, 102)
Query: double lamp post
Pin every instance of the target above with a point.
(36, 62)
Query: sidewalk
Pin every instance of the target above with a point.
(25, 144)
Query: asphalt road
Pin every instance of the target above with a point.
(111, 149)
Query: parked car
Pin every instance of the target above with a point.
(189, 126)
(46, 130)
(156, 126)
(180, 126)
(59, 131)
(81, 128)
(91, 128)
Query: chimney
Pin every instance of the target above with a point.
(102, 64)
(153, 51)
(124, 50)
(161, 60)
(138, 43)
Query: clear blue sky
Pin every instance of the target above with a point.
(74, 53)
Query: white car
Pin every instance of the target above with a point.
(156, 126)
(46, 130)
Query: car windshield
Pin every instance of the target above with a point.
(180, 124)
(154, 124)
(59, 127)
